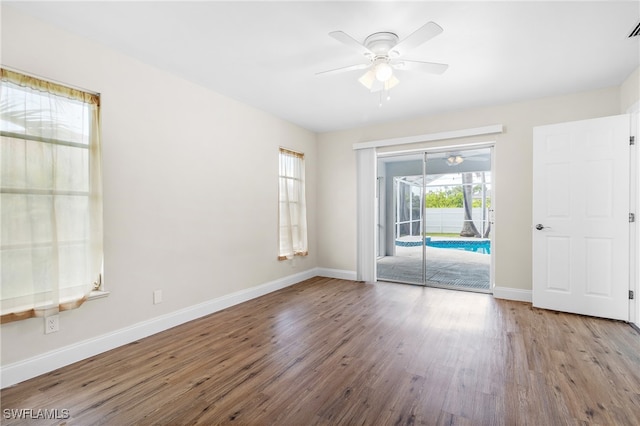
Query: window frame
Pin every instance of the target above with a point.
(43, 301)
(292, 218)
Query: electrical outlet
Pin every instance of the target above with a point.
(51, 324)
(157, 297)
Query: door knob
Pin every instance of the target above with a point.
(539, 227)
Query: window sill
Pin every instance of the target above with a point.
(97, 294)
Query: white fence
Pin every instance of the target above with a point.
(450, 220)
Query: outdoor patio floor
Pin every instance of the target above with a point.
(448, 268)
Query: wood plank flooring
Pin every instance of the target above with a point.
(330, 351)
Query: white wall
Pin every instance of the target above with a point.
(512, 174)
(190, 187)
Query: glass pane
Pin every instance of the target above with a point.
(400, 222)
(457, 199)
(28, 111)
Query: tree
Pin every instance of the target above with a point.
(468, 227)
(451, 198)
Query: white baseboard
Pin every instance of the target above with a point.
(512, 294)
(23, 370)
(336, 273)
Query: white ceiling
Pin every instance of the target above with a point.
(267, 54)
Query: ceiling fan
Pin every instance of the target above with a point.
(455, 158)
(384, 51)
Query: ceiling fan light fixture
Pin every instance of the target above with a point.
(391, 83)
(454, 160)
(383, 71)
(368, 78)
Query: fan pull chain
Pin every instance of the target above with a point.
(383, 97)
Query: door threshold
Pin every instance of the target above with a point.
(440, 286)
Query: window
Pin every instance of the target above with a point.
(293, 209)
(50, 189)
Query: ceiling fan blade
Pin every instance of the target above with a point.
(430, 67)
(345, 38)
(344, 69)
(415, 39)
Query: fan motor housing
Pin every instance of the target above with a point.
(381, 43)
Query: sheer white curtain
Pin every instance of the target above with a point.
(50, 196)
(292, 206)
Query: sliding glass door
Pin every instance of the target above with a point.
(401, 220)
(434, 219)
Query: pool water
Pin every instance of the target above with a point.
(476, 246)
(482, 246)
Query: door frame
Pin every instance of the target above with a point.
(634, 203)
(366, 191)
(425, 151)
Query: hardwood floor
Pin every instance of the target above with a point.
(330, 351)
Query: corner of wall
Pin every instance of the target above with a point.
(630, 91)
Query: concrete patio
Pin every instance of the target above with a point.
(449, 268)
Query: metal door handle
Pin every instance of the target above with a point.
(539, 227)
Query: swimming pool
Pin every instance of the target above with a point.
(476, 246)
(480, 246)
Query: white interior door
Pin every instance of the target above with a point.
(581, 217)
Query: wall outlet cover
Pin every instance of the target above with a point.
(51, 324)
